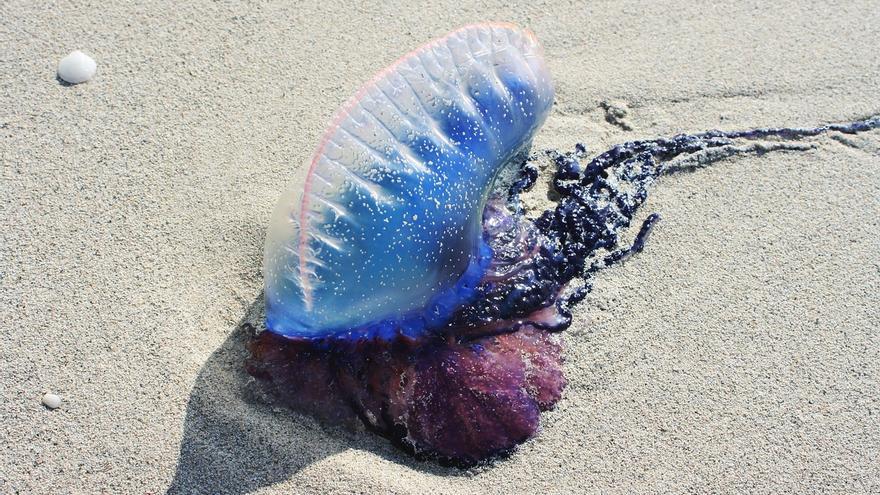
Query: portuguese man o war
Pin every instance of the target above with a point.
(406, 290)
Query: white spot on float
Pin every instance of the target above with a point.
(77, 68)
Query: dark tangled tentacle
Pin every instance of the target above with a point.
(598, 204)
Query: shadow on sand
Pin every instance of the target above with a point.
(236, 441)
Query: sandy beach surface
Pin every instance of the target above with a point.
(740, 352)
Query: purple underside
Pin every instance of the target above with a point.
(475, 388)
(459, 402)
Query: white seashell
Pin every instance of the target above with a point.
(52, 401)
(77, 68)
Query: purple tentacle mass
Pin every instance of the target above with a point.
(474, 388)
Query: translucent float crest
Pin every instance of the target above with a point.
(381, 231)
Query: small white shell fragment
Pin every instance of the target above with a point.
(77, 67)
(52, 401)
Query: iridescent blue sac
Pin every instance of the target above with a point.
(381, 233)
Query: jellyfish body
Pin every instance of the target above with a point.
(405, 294)
(384, 241)
(381, 233)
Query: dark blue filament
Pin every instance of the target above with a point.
(594, 207)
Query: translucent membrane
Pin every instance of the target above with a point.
(381, 232)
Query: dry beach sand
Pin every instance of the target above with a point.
(740, 352)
